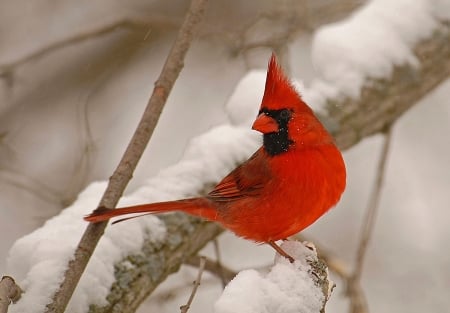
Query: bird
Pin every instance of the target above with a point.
(294, 178)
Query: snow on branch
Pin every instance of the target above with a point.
(378, 63)
(382, 101)
(301, 287)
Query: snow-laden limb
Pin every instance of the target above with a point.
(383, 101)
(10, 292)
(38, 261)
(301, 287)
(378, 63)
(370, 43)
(132, 258)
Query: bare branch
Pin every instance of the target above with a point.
(214, 267)
(275, 28)
(219, 266)
(308, 15)
(9, 292)
(135, 23)
(358, 302)
(201, 268)
(135, 149)
(372, 207)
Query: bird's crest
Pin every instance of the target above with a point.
(279, 92)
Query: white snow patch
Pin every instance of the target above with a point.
(38, 261)
(369, 44)
(243, 104)
(285, 288)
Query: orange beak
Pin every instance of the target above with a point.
(265, 124)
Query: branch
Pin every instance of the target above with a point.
(214, 267)
(201, 268)
(135, 149)
(372, 207)
(308, 15)
(185, 236)
(276, 28)
(381, 104)
(135, 23)
(9, 292)
(358, 302)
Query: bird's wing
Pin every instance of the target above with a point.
(246, 180)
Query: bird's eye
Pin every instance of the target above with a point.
(285, 114)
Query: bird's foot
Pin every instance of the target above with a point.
(280, 251)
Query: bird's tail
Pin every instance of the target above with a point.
(196, 206)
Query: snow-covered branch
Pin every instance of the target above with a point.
(383, 101)
(301, 287)
(137, 275)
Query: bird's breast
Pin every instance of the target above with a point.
(304, 185)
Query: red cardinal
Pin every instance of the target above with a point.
(293, 179)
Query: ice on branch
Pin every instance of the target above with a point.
(301, 287)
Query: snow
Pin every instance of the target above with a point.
(286, 288)
(369, 44)
(248, 90)
(38, 260)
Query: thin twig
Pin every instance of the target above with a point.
(224, 273)
(135, 149)
(201, 268)
(372, 207)
(219, 266)
(358, 302)
(10, 292)
(126, 23)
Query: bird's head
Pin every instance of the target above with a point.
(284, 119)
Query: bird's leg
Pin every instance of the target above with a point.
(280, 251)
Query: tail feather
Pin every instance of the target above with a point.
(196, 206)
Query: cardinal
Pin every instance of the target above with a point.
(286, 185)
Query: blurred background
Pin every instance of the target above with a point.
(76, 76)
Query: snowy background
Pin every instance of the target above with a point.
(66, 116)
